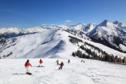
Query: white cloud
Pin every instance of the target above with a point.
(68, 21)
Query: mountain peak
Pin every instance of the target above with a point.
(116, 22)
(105, 23)
(90, 25)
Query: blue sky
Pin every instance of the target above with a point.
(27, 13)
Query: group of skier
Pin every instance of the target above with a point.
(28, 65)
(60, 64)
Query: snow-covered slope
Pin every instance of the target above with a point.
(47, 43)
(91, 72)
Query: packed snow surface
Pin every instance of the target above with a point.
(91, 72)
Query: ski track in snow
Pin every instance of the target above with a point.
(91, 72)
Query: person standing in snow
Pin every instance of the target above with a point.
(27, 66)
(57, 62)
(68, 61)
(61, 66)
(40, 62)
(82, 61)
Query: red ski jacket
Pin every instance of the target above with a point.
(27, 64)
(40, 61)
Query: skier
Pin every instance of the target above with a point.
(68, 61)
(82, 61)
(40, 63)
(61, 66)
(27, 66)
(57, 62)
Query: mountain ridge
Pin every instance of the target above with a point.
(57, 37)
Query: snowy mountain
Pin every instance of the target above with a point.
(46, 43)
(112, 34)
(51, 42)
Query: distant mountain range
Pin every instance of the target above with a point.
(54, 39)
